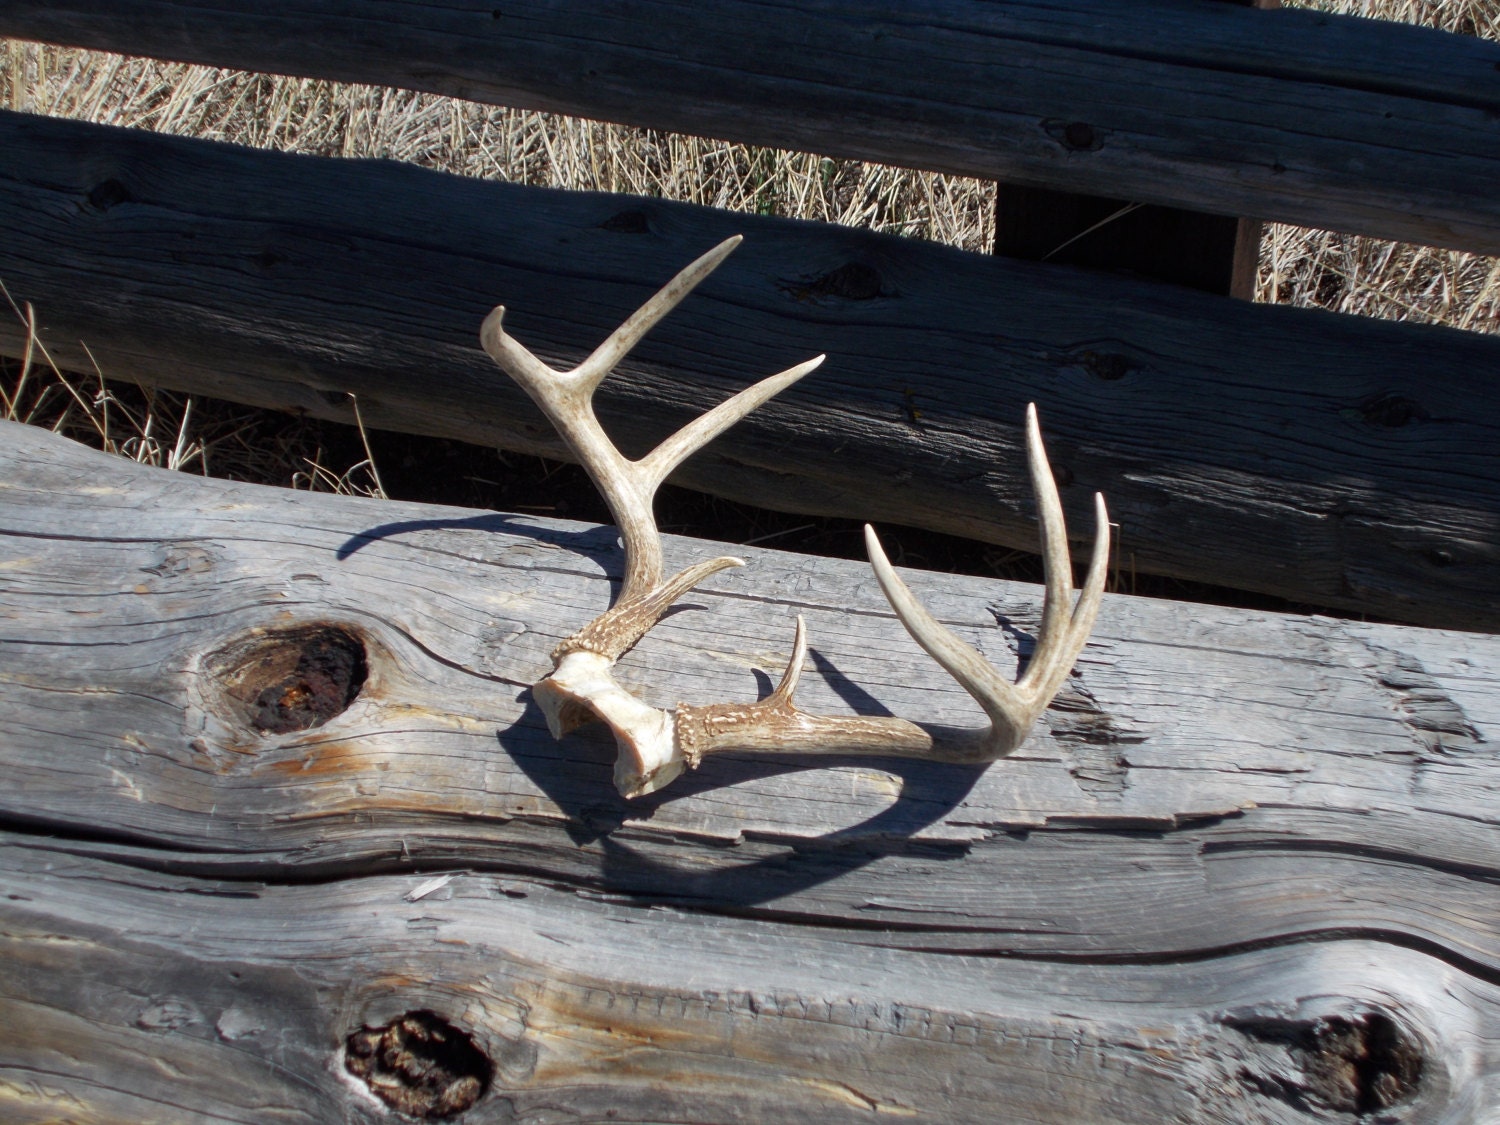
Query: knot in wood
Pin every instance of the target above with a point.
(283, 680)
(420, 1065)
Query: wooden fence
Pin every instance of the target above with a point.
(1245, 873)
(1335, 463)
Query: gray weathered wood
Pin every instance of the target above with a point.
(1238, 843)
(1300, 116)
(1327, 459)
(134, 996)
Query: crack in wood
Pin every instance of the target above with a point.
(1435, 720)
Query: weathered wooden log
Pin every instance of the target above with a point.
(276, 801)
(1215, 253)
(1205, 106)
(134, 996)
(1326, 459)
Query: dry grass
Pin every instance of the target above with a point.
(1300, 267)
(332, 119)
(1371, 276)
(172, 431)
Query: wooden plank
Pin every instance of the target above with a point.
(136, 996)
(1245, 737)
(1173, 102)
(1214, 253)
(1242, 872)
(1327, 459)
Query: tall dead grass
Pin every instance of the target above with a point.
(172, 431)
(1371, 276)
(518, 146)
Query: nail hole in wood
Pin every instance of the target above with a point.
(1076, 136)
(1393, 411)
(420, 1065)
(110, 193)
(1108, 366)
(853, 281)
(627, 222)
(291, 679)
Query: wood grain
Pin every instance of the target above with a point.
(139, 996)
(1243, 871)
(1330, 460)
(1298, 116)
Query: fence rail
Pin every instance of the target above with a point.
(1327, 459)
(1244, 873)
(1289, 115)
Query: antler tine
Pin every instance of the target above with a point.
(1062, 639)
(782, 696)
(607, 356)
(566, 397)
(581, 381)
(657, 465)
(1057, 567)
(1063, 632)
(1001, 701)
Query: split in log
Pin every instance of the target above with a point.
(1330, 460)
(287, 839)
(1297, 116)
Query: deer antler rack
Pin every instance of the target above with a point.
(656, 745)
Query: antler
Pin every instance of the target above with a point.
(1012, 708)
(580, 687)
(655, 745)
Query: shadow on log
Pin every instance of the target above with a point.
(1242, 872)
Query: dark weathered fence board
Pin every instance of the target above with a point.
(1205, 106)
(1214, 253)
(1327, 459)
(1231, 827)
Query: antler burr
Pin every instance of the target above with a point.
(655, 745)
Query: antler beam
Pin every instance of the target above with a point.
(655, 745)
